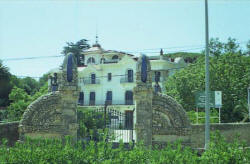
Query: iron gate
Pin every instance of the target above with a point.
(119, 124)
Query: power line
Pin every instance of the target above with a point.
(196, 47)
(168, 48)
(165, 50)
(176, 47)
(121, 75)
(35, 57)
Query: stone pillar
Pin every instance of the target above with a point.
(69, 90)
(143, 94)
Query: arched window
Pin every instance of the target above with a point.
(128, 98)
(115, 57)
(91, 60)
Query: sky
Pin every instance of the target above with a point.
(42, 28)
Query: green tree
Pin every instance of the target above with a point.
(216, 47)
(248, 48)
(229, 73)
(76, 49)
(5, 86)
(20, 100)
(30, 85)
(231, 46)
(43, 80)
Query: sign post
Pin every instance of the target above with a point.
(215, 98)
(218, 101)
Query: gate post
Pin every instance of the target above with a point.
(69, 90)
(143, 94)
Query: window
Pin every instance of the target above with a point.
(130, 75)
(80, 60)
(109, 76)
(81, 99)
(157, 76)
(129, 98)
(115, 57)
(91, 60)
(92, 98)
(109, 97)
(93, 81)
(102, 60)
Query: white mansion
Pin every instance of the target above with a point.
(109, 76)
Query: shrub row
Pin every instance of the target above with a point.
(57, 151)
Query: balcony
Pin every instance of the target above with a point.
(161, 79)
(109, 102)
(91, 81)
(126, 80)
(110, 61)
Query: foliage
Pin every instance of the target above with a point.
(183, 54)
(58, 151)
(221, 151)
(8, 82)
(229, 73)
(189, 57)
(43, 80)
(5, 86)
(30, 85)
(247, 52)
(192, 115)
(89, 123)
(20, 101)
(76, 49)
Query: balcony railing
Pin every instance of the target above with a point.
(111, 61)
(91, 81)
(109, 102)
(126, 80)
(161, 79)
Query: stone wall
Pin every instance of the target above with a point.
(42, 116)
(170, 121)
(9, 131)
(229, 130)
(54, 114)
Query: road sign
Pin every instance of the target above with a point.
(215, 99)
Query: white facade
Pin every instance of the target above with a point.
(93, 77)
(100, 65)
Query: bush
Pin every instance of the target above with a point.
(192, 115)
(66, 151)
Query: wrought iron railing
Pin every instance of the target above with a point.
(126, 80)
(109, 102)
(91, 81)
(160, 80)
(111, 61)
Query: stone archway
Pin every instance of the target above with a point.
(54, 115)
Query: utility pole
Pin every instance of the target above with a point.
(207, 92)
